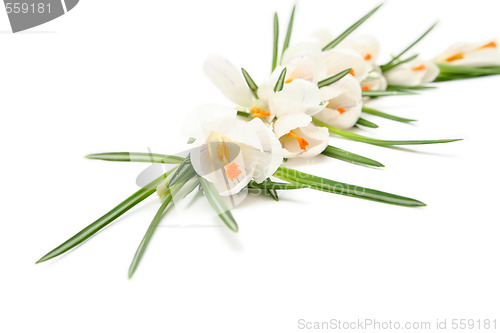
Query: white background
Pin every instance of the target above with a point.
(121, 75)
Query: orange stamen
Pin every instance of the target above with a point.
(232, 171)
(289, 80)
(302, 142)
(419, 68)
(365, 88)
(368, 57)
(258, 112)
(341, 110)
(352, 72)
(490, 44)
(454, 57)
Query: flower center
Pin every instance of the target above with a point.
(419, 68)
(341, 110)
(365, 88)
(258, 112)
(223, 152)
(232, 171)
(302, 142)
(368, 57)
(352, 72)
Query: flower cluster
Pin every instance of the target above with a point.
(316, 88)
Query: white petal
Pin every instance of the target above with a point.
(431, 73)
(299, 96)
(472, 54)
(271, 147)
(288, 122)
(317, 137)
(225, 76)
(206, 118)
(308, 49)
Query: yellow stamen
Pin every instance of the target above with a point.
(232, 171)
(223, 152)
(368, 57)
(419, 68)
(341, 110)
(302, 142)
(258, 112)
(454, 57)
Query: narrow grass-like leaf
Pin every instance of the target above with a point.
(411, 45)
(288, 35)
(218, 204)
(366, 123)
(452, 72)
(244, 114)
(251, 84)
(154, 224)
(378, 142)
(136, 157)
(353, 27)
(410, 88)
(269, 184)
(106, 219)
(272, 192)
(147, 237)
(331, 186)
(386, 115)
(275, 40)
(333, 78)
(381, 93)
(385, 68)
(343, 155)
(281, 81)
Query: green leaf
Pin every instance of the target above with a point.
(386, 115)
(218, 204)
(106, 219)
(147, 237)
(403, 88)
(344, 155)
(136, 157)
(411, 45)
(353, 27)
(281, 81)
(154, 224)
(288, 32)
(366, 123)
(251, 84)
(385, 68)
(333, 78)
(244, 114)
(380, 93)
(275, 41)
(378, 142)
(452, 72)
(272, 192)
(331, 186)
(269, 184)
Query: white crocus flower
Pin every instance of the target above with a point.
(471, 54)
(374, 81)
(298, 96)
(368, 47)
(339, 59)
(299, 137)
(231, 152)
(230, 81)
(413, 73)
(344, 103)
